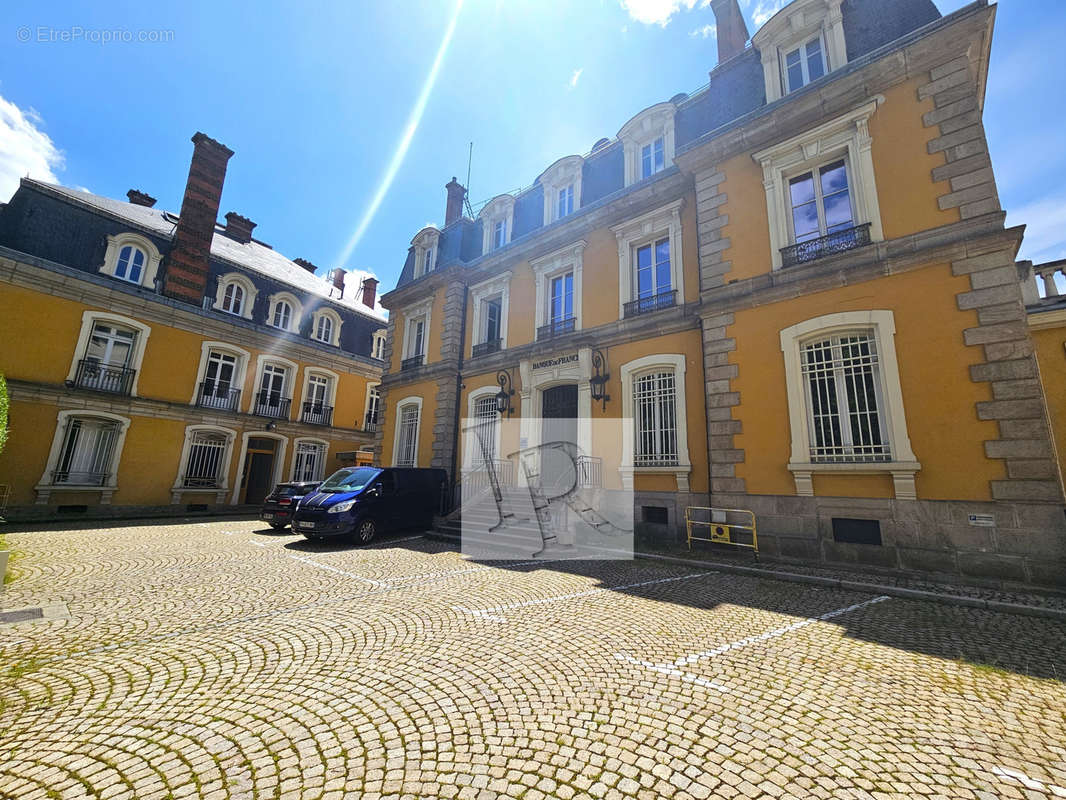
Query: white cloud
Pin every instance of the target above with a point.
(656, 12)
(1045, 231)
(706, 32)
(762, 10)
(24, 149)
(576, 77)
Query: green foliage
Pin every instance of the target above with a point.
(3, 412)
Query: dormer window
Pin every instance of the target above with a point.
(235, 295)
(326, 326)
(562, 188)
(805, 64)
(132, 258)
(425, 245)
(497, 218)
(648, 141)
(651, 158)
(799, 44)
(284, 313)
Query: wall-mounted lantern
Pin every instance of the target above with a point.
(503, 397)
(598, 381)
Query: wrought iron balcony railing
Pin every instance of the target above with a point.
(91, 374)
(218, 396)
(483, 349)
(590, 472)
(836, 242)
(558, 327)
(647, 305)
(271, 404)
(414, 362)
(370, 424)
(317, 414)
(75, 478)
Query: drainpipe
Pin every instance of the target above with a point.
(458, 397)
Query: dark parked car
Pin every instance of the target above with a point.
(363, 501)
(280, 503)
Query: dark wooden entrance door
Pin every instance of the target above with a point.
(259, 469)
(559, 413)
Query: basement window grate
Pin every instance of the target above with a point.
(71, 509)
(196, 507)
(22, 615)
(656, 515)
(856, 531)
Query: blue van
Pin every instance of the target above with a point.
(363, 501)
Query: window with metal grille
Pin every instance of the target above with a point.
(842, 379)
(85, 457)
(486, 418)
(309, 461)
(408, 442)
(655, 409)
(203, 468)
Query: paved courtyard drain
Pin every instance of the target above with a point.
(22, 615)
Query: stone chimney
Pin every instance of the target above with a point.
(338, 281)
(370, 292)
(303, 262)
(456, 196)
(188, 260)
(239, 228)
(732, 30)
(139, 198)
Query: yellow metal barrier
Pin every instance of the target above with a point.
(722, 524)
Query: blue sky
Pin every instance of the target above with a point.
(314, 99)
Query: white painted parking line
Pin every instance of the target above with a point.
(494, 612)
(673, 667)
(1027, 782)
(762, 637)
(397, 541)
(360, 578)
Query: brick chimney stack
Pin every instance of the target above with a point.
(370, 292)
(338, 281)
(732, 30)
(187, 262)
(139, 198)
(303, 262)
(239, 228)
(456, 196)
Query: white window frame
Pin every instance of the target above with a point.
(426, 240)
(296, 450)
(45, 487)
(412, 314)
(648, 229)
(239, 373)
(335, 331)
(152, 257)
(847, 136)
(178, 489)
(796, 24)
(643, 129)
(566, 259)
(563, 173)
(292, 370)
(331, 377)
(407, 401)
(370, 387)
(904, 465)
(296, 311)
(250, 293)
(814, 170)
(140, 344)
(377, 344)
(666, 362)
(498, 209)
(496, 286)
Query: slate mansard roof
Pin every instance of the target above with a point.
(70, 227)
(736, 89)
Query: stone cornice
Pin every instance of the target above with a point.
(859, 81)
(48, 277)
(51, 394)
(943, 244)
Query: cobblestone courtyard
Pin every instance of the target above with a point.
(219, 659)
